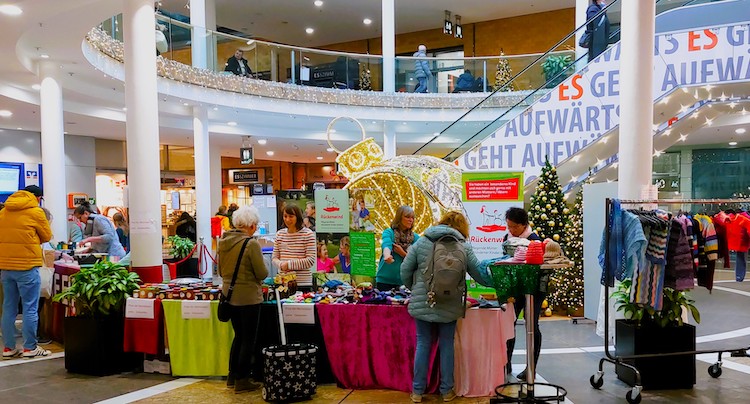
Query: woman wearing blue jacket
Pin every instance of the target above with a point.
(439, 315)
(396, 242)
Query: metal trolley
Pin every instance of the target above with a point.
(634, 394)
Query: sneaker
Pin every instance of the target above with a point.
(33, 353)
(449, 396)
(11, 353)
(415, 398)
(243, 385)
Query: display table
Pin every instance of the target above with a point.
(60, 283)
(198, 346)
(145, 335)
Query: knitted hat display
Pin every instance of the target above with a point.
(552, 250)
(535, 254)
(520, 254)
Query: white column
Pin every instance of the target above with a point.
(53, 150)
(389, 139)
(636, 97)
(203, 20)
(216, 174)
(389, 46)
(142, 135)
(202, 177)
(581, 7)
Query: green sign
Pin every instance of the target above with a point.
(363, 253)
(475, 290)
(331, 210)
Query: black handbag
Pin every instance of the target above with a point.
(224, 311)
(585, 41)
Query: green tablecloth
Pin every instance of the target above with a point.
(512, 280)
(197, 347)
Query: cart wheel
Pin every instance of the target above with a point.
(597, 380)
(631, 399)
(714, 370)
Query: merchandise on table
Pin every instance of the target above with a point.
(337, 292)
(175, 291)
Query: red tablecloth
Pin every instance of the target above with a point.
(146, 335)
(372, 347)
(481, 352)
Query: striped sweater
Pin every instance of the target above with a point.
(709, 234)
(298, 249)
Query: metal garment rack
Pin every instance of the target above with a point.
(634, 395)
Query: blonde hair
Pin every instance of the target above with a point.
(400, 213)
(321, 246)
(456, 220)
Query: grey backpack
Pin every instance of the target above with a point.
(445, 275)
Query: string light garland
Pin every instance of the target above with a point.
(566, 284)
(173, 70)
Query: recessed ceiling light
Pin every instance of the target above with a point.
(10, 9)
(124, 108)
(5, 113)
(367, 21)
(309, 30)
(36, 87)
(269, 153)
(739, 131)
(185, 104)
(19, 128)
(319, 157)
(733, 143)
(330, 149)
(44, 56)
(262, 141)
(65, 133)
(216, 108)
(232, 123)
(318, 3)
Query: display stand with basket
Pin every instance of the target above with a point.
(514, 279)
(289, 369)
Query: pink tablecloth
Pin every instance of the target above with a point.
(372, 347)
(481, 352)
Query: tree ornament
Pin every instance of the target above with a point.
(549, 206)
(548, 312)
(556, 237)
(544, 198)
(566, 211)
(544, 217)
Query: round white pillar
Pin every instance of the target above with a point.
(389, 46)
(203, 20)
(142, 135)
(202, 180)
(581, 7)
(53, 150)
(636, 97)
(389, 140)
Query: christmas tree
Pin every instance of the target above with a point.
(503, 74)
(567, 283)
(365, 82)
(548, 213)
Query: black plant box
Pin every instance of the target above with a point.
(95, 346)
(665, 372)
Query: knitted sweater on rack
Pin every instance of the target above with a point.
(626, 249)
(679, 269)
(708, 230)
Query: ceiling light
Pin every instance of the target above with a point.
(333, 130)
(318, 3)
(44, 56)
(19, 128)
(10, 9)
(367, 21)
(232, 123)
(739, 131)
(319, 157)
(269, 153)
(330, 149)
(733, 143)
(216, 108)
(36, 87)
(185, 104)
(262, 141)
(5, 113)
(309, 30)
(124, 108)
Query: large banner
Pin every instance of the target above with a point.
(332, 210)
(586, 105)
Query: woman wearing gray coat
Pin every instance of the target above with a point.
(440, 315)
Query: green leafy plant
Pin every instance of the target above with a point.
(552, 66)
(181, 247)
(670, 314)
(100, 290)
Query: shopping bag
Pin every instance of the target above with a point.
(47, 276)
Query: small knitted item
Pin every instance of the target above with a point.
(552, 250)
(535, 254)
(520, 254)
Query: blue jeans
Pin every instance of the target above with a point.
(446, 332)
(20, 286)
(422, 86)
(740, 268)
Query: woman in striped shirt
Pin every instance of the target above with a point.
(295, 247)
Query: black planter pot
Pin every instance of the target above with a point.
(95, 346)
(666, 372)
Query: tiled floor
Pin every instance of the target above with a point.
(46, 381)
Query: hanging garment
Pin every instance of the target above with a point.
(627, 246)
(648, 282)
(679, 267)
(710, 249)
(721, 238)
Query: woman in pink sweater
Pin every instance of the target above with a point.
(295, 247)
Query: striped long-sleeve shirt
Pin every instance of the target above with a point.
(298, 249)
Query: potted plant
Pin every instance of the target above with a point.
(554, 65)
(94, 336)
(181, 248)
(648, 331)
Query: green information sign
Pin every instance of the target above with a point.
(363, 253)
(476, 290)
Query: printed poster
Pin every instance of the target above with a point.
(363, 253)
(332, 211)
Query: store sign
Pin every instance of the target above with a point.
(459, 31)
(587, 104)
(332, 211)
(363, 253)
(259, 189)
(246, 176)
(299, 313)
(139, 308)
(667, 184)
(448, 27)
(246, 155)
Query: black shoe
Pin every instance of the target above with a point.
(43, 341)
(508, 368)
(521, 376)
(230, 380)
(243, 385)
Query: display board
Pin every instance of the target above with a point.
(332, 210)
(363, 253)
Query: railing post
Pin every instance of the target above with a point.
(294, 70)
(484, 76)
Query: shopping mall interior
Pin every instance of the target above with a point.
(160, 110)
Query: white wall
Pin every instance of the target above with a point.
(20, 147)
(594, 196)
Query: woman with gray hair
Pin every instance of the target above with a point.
(247, 294)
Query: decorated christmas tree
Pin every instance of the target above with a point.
(567, 283)
(503, 74)
(365, 82)
(548, 213)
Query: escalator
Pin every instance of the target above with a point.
(575, 122)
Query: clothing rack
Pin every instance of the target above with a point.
(634, 395)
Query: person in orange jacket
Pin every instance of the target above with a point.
(25, 228)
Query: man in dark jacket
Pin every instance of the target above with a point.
(238, 65)
(599, 28)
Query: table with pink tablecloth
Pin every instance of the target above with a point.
(372, 347)
(481, 351)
